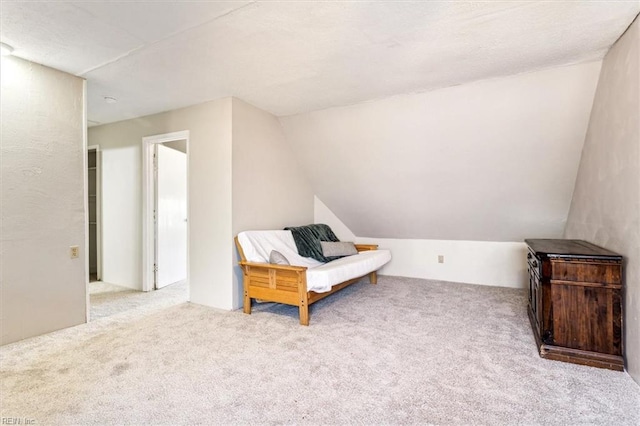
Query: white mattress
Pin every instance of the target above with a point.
(257, 246)
(321, 278)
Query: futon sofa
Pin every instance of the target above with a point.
(304, 280)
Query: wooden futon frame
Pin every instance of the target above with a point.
(287, 284)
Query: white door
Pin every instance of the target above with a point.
(171, 216)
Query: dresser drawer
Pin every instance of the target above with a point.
(603, 272)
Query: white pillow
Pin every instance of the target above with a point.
(277, 258)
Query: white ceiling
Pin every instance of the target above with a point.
(292, 57)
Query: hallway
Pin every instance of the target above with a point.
(109, 299)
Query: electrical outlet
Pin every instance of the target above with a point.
(74, 252)
(440, 258)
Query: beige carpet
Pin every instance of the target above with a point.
(405, 351)
(109, 299)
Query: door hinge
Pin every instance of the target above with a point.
(155, 267)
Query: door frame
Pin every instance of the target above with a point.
(148, 204)
(96, 148)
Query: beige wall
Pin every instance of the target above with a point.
(209, 157)
(42, 151)
(605, 209)
(242, 175)
(121, 214)
(493, 160)
(270, 190)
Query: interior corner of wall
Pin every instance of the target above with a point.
(235, 102)
(322, 214)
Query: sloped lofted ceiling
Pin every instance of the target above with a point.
(494, 160)
(292, 57)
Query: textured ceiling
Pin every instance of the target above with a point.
(292, 57)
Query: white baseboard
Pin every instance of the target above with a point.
(501, 264)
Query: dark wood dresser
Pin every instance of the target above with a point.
(575, 302)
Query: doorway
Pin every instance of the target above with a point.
(119, 294)
(165, 210)
(170, 257)
(94, 212)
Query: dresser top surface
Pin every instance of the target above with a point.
(569, 248)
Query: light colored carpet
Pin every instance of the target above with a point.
(405, 351)
(109, 299)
